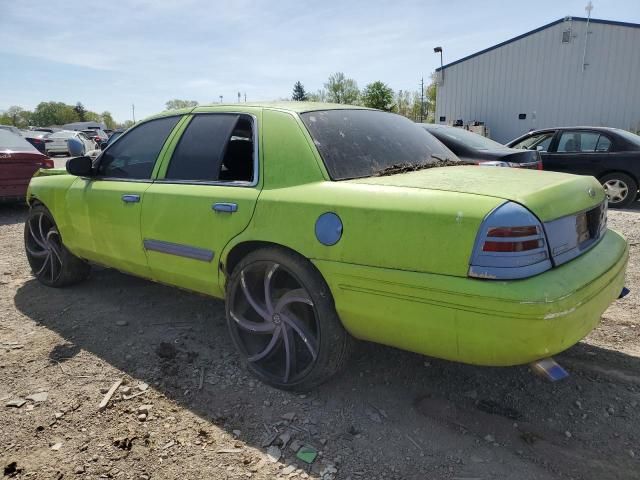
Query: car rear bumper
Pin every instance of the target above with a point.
(484, 322)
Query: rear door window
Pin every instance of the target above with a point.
(215, 147)
(581, 142)
(135, 154)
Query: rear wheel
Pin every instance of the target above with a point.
(621, 189)
(282, 320)
(50, 261)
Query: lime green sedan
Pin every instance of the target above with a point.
(322, 223)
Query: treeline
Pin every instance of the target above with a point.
(341, 89)
(54, 113)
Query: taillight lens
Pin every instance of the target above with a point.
(511, 244)
(47, 163)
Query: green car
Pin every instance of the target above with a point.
(322, 223)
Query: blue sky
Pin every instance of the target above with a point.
(111, 54)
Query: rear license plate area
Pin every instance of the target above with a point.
(588, 224)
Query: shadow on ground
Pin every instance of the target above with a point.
(400, 411)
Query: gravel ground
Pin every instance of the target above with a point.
(186, 409)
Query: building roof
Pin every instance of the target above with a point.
(548, 25)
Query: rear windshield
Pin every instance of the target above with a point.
(13, 142)
(465, 137)
(363, 143)
(62, 135)
(629, 137)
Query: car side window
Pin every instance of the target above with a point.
(538, 142)
(583, 142)
(214, 147)
(135, 154)
(604, 144)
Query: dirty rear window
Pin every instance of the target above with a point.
(363, 143)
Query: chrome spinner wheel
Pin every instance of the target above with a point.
(274, 322)
(44, 248)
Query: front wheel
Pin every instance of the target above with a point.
(50, 261)
(282, 320)
(620, 188)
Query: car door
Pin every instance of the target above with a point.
(205, 195)
(105, 209)
(579, 152)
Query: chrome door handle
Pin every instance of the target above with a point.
(225, 207)
(131, 198)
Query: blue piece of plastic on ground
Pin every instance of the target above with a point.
(557, 373)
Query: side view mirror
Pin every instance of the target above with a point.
(103, 145)
(76, 147)
(80, 167)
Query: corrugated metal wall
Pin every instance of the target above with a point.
(543, 78)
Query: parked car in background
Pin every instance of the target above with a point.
(19, 160)
(58, 143)
(481, 150)
(37, 138)
(97, 136)
(609, 154)
(319, 222)
(11, 128)
(115, 135)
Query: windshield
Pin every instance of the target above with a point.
(11, 141)
(365, 143)
(465, 137)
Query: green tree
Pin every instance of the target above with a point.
(126, 124)
(341, 89)
(319, 96)
(430, 98)
(53, 113)
(176, 104)
(16, 116)
(108, 120)
(378, 95)
(81, 111)
(299, 95)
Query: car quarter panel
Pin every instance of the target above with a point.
(388, 227)
(475, 321)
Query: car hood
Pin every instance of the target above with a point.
(549, 195)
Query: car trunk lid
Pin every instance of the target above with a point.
(549, 195)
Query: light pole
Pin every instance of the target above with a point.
(439, 50)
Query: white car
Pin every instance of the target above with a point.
(58, 142)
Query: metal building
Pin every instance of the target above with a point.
(574, 71)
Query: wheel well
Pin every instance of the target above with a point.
(629, 174)
(243, 249)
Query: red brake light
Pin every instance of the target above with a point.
(511, 246)
(502, 232)
(47, 163)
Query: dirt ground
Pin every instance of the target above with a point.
(187, 410)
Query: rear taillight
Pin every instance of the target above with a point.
(511, 244)
(47, 163)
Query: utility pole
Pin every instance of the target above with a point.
(238, 97)
(133, 112)
(245, 97)
(421, 99)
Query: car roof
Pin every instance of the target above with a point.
(577, 127)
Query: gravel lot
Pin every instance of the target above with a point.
(197, 414)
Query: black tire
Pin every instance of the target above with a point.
(626, 189)
(304, 298)
(51, 263)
